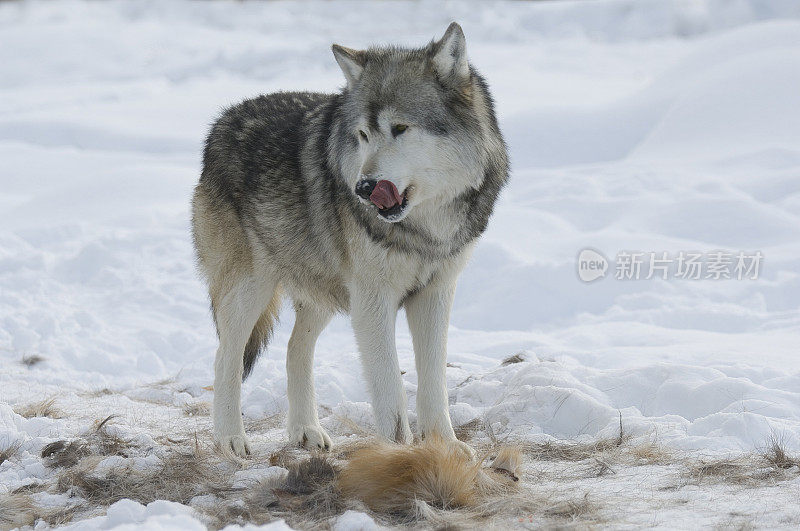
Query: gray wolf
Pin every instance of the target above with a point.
(363, 201)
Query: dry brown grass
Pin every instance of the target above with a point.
(516, 358)
(184, 470)
(346, 425)
(8, 452)
(770, 467)
(196, 409)
(43, 408)
(744, 471)
(61, 516)
(181, 473)
(283, 457)
(96, 442)
(16, 510)
(600, 467)
(569, 450)
(603, 453)
(179, 477)
(777, 457)
(578, 509)
(394, 484)
(649, 453)
(727, 469)
(565, 450)
(265, 423)
(467, 431)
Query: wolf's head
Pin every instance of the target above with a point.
(417, 125)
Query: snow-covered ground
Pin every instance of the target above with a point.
(634, 127)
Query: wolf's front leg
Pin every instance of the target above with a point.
(303, 422)
(374, 314)
(428, 313)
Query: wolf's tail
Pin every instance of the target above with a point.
(261, 334)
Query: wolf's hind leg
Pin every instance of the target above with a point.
(303, 423)
(236, 314)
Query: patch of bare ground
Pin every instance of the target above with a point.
(421, 485)
(442, 486)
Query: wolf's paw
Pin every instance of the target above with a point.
(235, 445)
(310, 437)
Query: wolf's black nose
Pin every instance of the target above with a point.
(365, 187)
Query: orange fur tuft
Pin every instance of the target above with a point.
(390, 478)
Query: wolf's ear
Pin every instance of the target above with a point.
(450, 54)
(350, 61)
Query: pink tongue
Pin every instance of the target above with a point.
(385, 195)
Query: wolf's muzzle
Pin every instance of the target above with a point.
(383, 195)
(365, 187)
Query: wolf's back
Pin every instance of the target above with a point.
(255, 146)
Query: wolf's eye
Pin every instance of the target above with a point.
(363, 135)
(399, 129)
